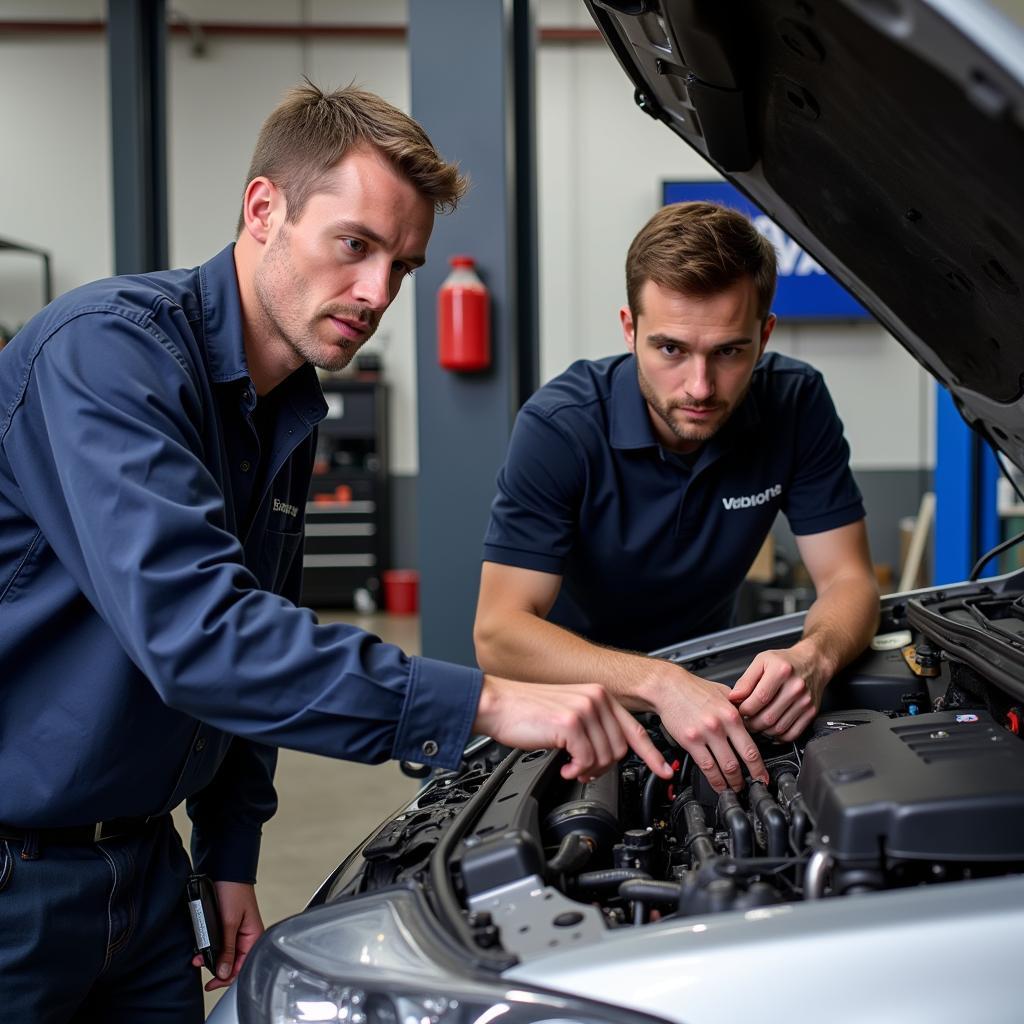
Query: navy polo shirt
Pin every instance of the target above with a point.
(151, 522)
(652, 546)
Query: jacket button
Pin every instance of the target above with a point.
(245, 466)
(200, 744)
(430, 748)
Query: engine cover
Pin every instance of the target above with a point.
(941, 786)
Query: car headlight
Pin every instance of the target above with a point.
(371, 960)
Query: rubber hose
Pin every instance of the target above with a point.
(732, 816)
(573, 853)
(611, 878)
(770, 815)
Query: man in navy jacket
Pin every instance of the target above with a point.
(156, 442)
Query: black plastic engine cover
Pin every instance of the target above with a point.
(943, 786)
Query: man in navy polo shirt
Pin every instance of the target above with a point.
(157, 435)
(638, 489)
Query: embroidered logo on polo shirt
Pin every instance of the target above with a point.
(752, 500)
(283, 506)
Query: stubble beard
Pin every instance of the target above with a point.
(281, 290)
(690, 433)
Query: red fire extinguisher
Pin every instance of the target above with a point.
(463, 318)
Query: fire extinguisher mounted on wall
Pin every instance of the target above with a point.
(463, 318)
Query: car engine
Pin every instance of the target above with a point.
(913, 774)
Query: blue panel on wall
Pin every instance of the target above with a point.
(966, 518)
(805, 291)
(954, 472)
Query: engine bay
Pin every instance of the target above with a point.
(911, 775)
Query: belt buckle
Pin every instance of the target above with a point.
(116, 827)
(100, 832)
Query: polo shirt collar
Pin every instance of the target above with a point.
(630, 422)
(224, 338)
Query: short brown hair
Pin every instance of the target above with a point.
(310, 131)
(700, 249)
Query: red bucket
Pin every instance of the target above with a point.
(401, 591)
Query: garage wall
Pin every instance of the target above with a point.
(217, 103)
(600, 167)
(55, 171)
(55, 188)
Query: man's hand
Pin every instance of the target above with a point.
(241, 925)
(780, 693)
(698, 714)
(582, 719)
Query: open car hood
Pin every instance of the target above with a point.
(887, 138)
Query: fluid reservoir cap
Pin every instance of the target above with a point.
(892, 641)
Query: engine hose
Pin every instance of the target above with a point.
(573, 853)
(702, 849)
(731, 815)
(642, 893)
(734, 867)
(661, 894)
(800, 824)
(611, 878)
(650, 794)
(769, 813)
(793, 804)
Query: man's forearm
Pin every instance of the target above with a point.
(695, 711)
(531, 648)
(840, 623)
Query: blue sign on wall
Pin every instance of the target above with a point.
(805, 290)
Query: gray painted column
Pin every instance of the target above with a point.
(472, 69)
(137, 43)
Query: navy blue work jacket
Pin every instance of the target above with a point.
(652, 546)
(150, 556)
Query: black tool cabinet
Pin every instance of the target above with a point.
(348, 512)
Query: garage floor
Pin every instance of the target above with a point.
(325, 806)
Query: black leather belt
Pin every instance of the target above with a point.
(77, 835)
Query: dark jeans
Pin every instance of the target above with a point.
(98, 932)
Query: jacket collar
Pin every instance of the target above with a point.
(222, 317)
(224, 338)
